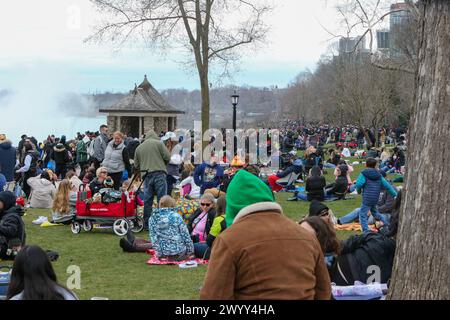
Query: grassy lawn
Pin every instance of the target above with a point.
(108, 272)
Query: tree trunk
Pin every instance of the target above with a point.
(421, 265)
(204, 90)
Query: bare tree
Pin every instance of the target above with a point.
(209, 30)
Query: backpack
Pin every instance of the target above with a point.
(90, 148)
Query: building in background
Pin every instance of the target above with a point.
(352, 44)
(143, 109)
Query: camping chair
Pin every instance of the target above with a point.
(288, 181)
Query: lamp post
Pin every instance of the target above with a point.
(234, 102)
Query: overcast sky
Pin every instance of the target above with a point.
(45, 43)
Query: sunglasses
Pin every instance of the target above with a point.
(324, 214)
(205, 204)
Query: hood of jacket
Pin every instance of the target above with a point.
(45, 182)
(9, 200)
(151, 134)
(6, 145)
(18, 210)
(371, 174)
(59, 148)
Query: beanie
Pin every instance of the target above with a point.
(245, 189)
(316, 207)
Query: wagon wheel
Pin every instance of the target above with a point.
(75, 227)
(87, 225)
(120, 227)
(138, 225)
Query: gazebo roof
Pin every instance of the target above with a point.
(142, 99)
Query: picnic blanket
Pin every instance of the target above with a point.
(155, 261)
(354, 226)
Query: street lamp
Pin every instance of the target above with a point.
(234, 102)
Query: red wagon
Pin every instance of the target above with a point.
(121, 215)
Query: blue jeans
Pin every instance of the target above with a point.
(354, 215)
(202, 250)
(302, 196)
(329, 165)
(364, 210)
(155, 184)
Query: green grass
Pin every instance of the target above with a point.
(108, 272)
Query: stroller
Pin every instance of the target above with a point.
(117, 209)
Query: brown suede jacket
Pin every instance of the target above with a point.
(266, 256)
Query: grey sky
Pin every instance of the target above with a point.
(48, 36)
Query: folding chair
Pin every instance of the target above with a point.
(288, 181)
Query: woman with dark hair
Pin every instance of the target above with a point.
(33, 278)
(315, 184)
(364, 256)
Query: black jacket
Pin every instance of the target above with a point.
(60, 155)
(358, 253)
(12, 230)
(314, 188)
(339, 187)
(209, 220)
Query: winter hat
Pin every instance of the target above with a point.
(8, 198)
(245, 189)
(316, 207)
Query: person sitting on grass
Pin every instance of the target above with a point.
(33, 278)
(12, 227)
(168, 232)
(352, 260)
(201, 221)
(208, 175)
(318, 209)
(339, 187)
(43, 191)
(203, 249)
(314, 188)
(296, 167)
(369, 182)
(63, 208)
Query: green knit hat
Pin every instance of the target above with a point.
(245, 189)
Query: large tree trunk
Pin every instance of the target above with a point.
(421, 266)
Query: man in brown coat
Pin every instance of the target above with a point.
(262, 254)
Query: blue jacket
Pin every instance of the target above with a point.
(168, 233)
(369, 182)
(7, 160)
(207, 177)
(2, 182)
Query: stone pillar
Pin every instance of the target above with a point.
(112, 123)
(140, 128)
(119, 124)
(149, 124)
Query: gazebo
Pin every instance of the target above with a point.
(141, 110)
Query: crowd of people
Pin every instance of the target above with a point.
(238, 225)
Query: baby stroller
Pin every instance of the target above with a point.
(117, 209)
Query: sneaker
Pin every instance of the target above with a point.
(40, 220)
(292, 199)
(299, 181)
